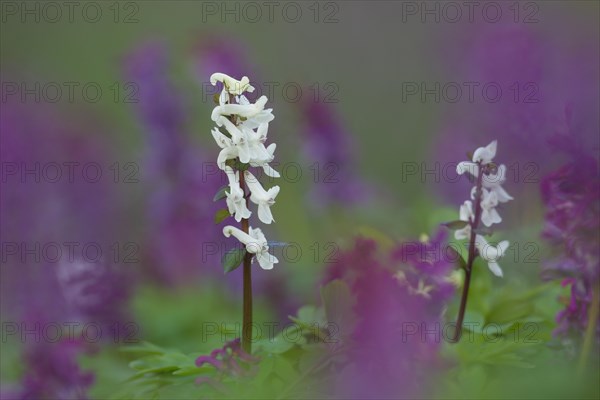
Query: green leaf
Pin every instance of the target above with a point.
(221, 193)
(232, 259)
(236, 164)
(458, 224)
(460, 261)
(278, 344)
(221, 215)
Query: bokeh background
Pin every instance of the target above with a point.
(368, 124)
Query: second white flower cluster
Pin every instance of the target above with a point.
(492, 193)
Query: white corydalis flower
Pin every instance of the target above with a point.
(491, 253)
(483, 156)
(489, 215)
(254, 151)
(269, 171)
(255, 243)
(465, 214)
(236, 203)
(232, 85)
(485, 197)
(264, 199)
(494, 181)
(247, 111)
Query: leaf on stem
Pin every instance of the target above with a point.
(458, 224)
(221, 193)
(232, 259)
(221, 214)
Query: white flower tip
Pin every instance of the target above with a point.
(502, 247)
(228, 230)
(232, 85)
(465, 166)
(274, 191)
(495, 268)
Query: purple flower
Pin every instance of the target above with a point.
(229, 360)
(329, 148)
(52, 216)
(571, 196)
(53, 373)
(540, 97)
(399, 300)
(179, 175)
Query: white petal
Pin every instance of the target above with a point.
(226, 154)
(264, 214)
(485, 155)
(242, 211)
(502, 247)
(243, 152)
(257, 234)
(486, 218)
(223, 97)
(466, 166)
(270, 171)
(501, 194)
(243, 100)
(466, 211)
(496, 218)
(231, 207)
(245, 111)
(463, 233)
(495, 268)
(486, 251)
(266, 260)
(240, 235)
(255, 187)
(222, 140)
(273, 192)
(232, 85)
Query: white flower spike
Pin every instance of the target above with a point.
(485, 197)
(246, 125)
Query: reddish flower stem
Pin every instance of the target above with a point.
(471, 258)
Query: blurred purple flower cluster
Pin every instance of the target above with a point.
(329, 147)
(62, 211)
(400, 300)
(571, 195)
(534, 86)
(53, 372)
(182, 181)
(230, 360)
